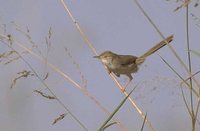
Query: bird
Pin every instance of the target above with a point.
(128, 64)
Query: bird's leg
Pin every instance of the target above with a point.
(117, 74)
(124, 89)
(108, 70)
(130, 79)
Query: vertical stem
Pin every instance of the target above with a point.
(190, 68)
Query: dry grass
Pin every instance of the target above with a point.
(191, 83)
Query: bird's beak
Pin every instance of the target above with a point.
(98, 57)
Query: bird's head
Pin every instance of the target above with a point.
(106, 56)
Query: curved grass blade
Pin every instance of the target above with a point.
(114, 112)
(144, 122)
(195, 52)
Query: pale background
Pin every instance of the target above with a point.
(110, 25)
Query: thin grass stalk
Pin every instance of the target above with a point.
(162, 36)
(185, 101)
(52, 93)
(142, 128)
(85, 38)
(197, 110)
(184, 81)
(66, 77)
(195, 52)
(190, 68)
(194, 91)
(178, 58)
(191, 76)
(108, 125)
(95, 52)
(114, 112)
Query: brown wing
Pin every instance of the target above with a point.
(127, 59)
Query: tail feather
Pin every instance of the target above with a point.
(157, 47)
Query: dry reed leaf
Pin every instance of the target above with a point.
(10, 61)
(7, 54)
(46, 76)
(59, 118)
(184, 4)
(44, 95)
(22, 74)
(9, 57)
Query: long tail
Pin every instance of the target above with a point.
(157, 47)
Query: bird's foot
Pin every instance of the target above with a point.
(108, 70)
(117, 74)
(124, 89)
